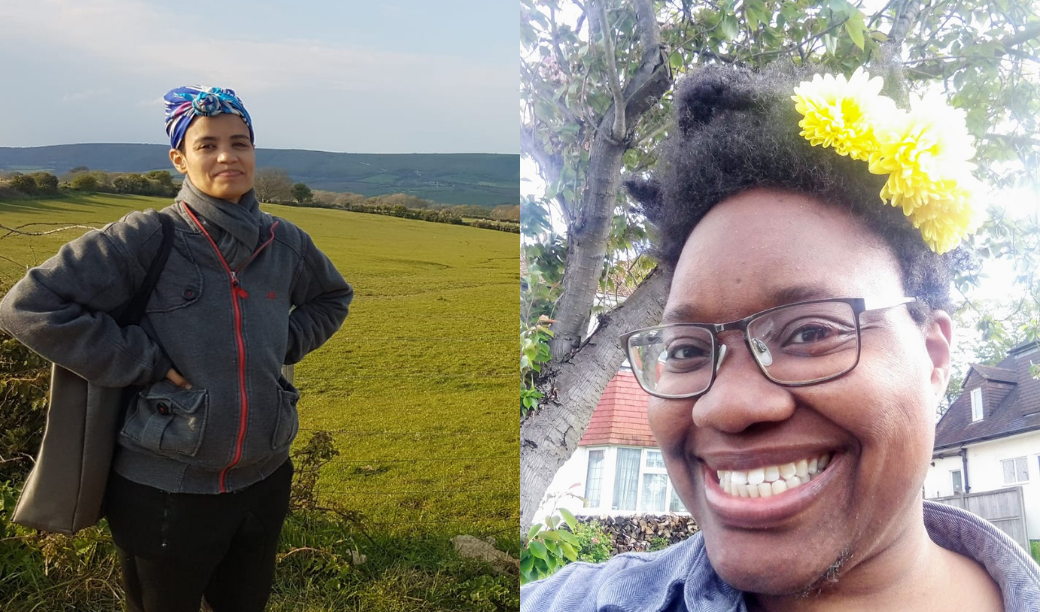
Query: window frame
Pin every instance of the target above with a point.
(608, 478)
(958, 488)
(1025, 463)
(588, 473)
(977, 413)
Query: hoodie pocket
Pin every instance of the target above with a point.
(287, 422)
(168, 420)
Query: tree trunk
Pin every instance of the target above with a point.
(589, 227)
(572, 388)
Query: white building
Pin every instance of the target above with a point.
(989, 439)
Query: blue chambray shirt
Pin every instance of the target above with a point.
(680, 578)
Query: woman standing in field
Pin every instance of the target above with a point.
(201, 475)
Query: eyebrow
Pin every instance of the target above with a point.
(201, 139)
(689, 313)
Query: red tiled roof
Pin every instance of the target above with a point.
(1009, 407)
(620, 416)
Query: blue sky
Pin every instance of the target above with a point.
(404, 76)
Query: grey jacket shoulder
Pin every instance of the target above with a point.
(138, 235)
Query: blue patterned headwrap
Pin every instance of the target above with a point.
(185, 103)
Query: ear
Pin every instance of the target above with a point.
(178, 160)
(938, 341)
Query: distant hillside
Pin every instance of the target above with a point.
(456, 178)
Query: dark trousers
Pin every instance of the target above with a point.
(176, 549)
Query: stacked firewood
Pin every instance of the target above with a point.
(645, 531)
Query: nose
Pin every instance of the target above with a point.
(225, 156)
(741, 395)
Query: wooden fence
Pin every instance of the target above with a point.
(1003, 507)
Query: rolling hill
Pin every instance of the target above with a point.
(457, 178)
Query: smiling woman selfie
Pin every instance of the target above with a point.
(810, 229)
(201, 474)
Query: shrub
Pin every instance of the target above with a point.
(23, 183)
(45, 182)
(24, 380)
(85, 182)
(592, 542)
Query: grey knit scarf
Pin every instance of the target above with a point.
(234, 227)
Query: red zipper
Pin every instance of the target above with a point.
(237, 293)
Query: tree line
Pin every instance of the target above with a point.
(81, 179)
(272, 185)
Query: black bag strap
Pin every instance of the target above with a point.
(134, 311)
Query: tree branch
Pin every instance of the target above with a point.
(600, 12)
(12, 230)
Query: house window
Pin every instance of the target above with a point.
(976, 404)
(958, 484)
(1015, 470)
(641, 482)
(626, 478)
(676, 505)
(655, 482)
(594, 479)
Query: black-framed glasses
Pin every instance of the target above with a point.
(794, 345)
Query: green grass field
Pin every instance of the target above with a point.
(418, 386)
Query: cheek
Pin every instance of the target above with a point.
(670, 421)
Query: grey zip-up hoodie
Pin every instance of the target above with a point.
(226, 314)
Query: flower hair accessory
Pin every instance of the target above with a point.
(925, 151)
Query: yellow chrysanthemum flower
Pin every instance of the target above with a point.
(948, 216)
(842, 113)
(925, 152)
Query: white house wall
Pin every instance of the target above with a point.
(939, 481)
(985, 472)
(570, 478)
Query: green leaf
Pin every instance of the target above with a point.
(527, 576)
(728, 25)
(854, 28)
(568, 552)
(533, 530)
(537, 549)
(830, 43)
(569, 519)
(569, 538)
(675, 60)
(526, 564)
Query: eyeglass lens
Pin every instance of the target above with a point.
(796, 344)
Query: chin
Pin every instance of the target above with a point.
(804, 579)
(775, 566)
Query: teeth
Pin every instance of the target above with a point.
(771, 480)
